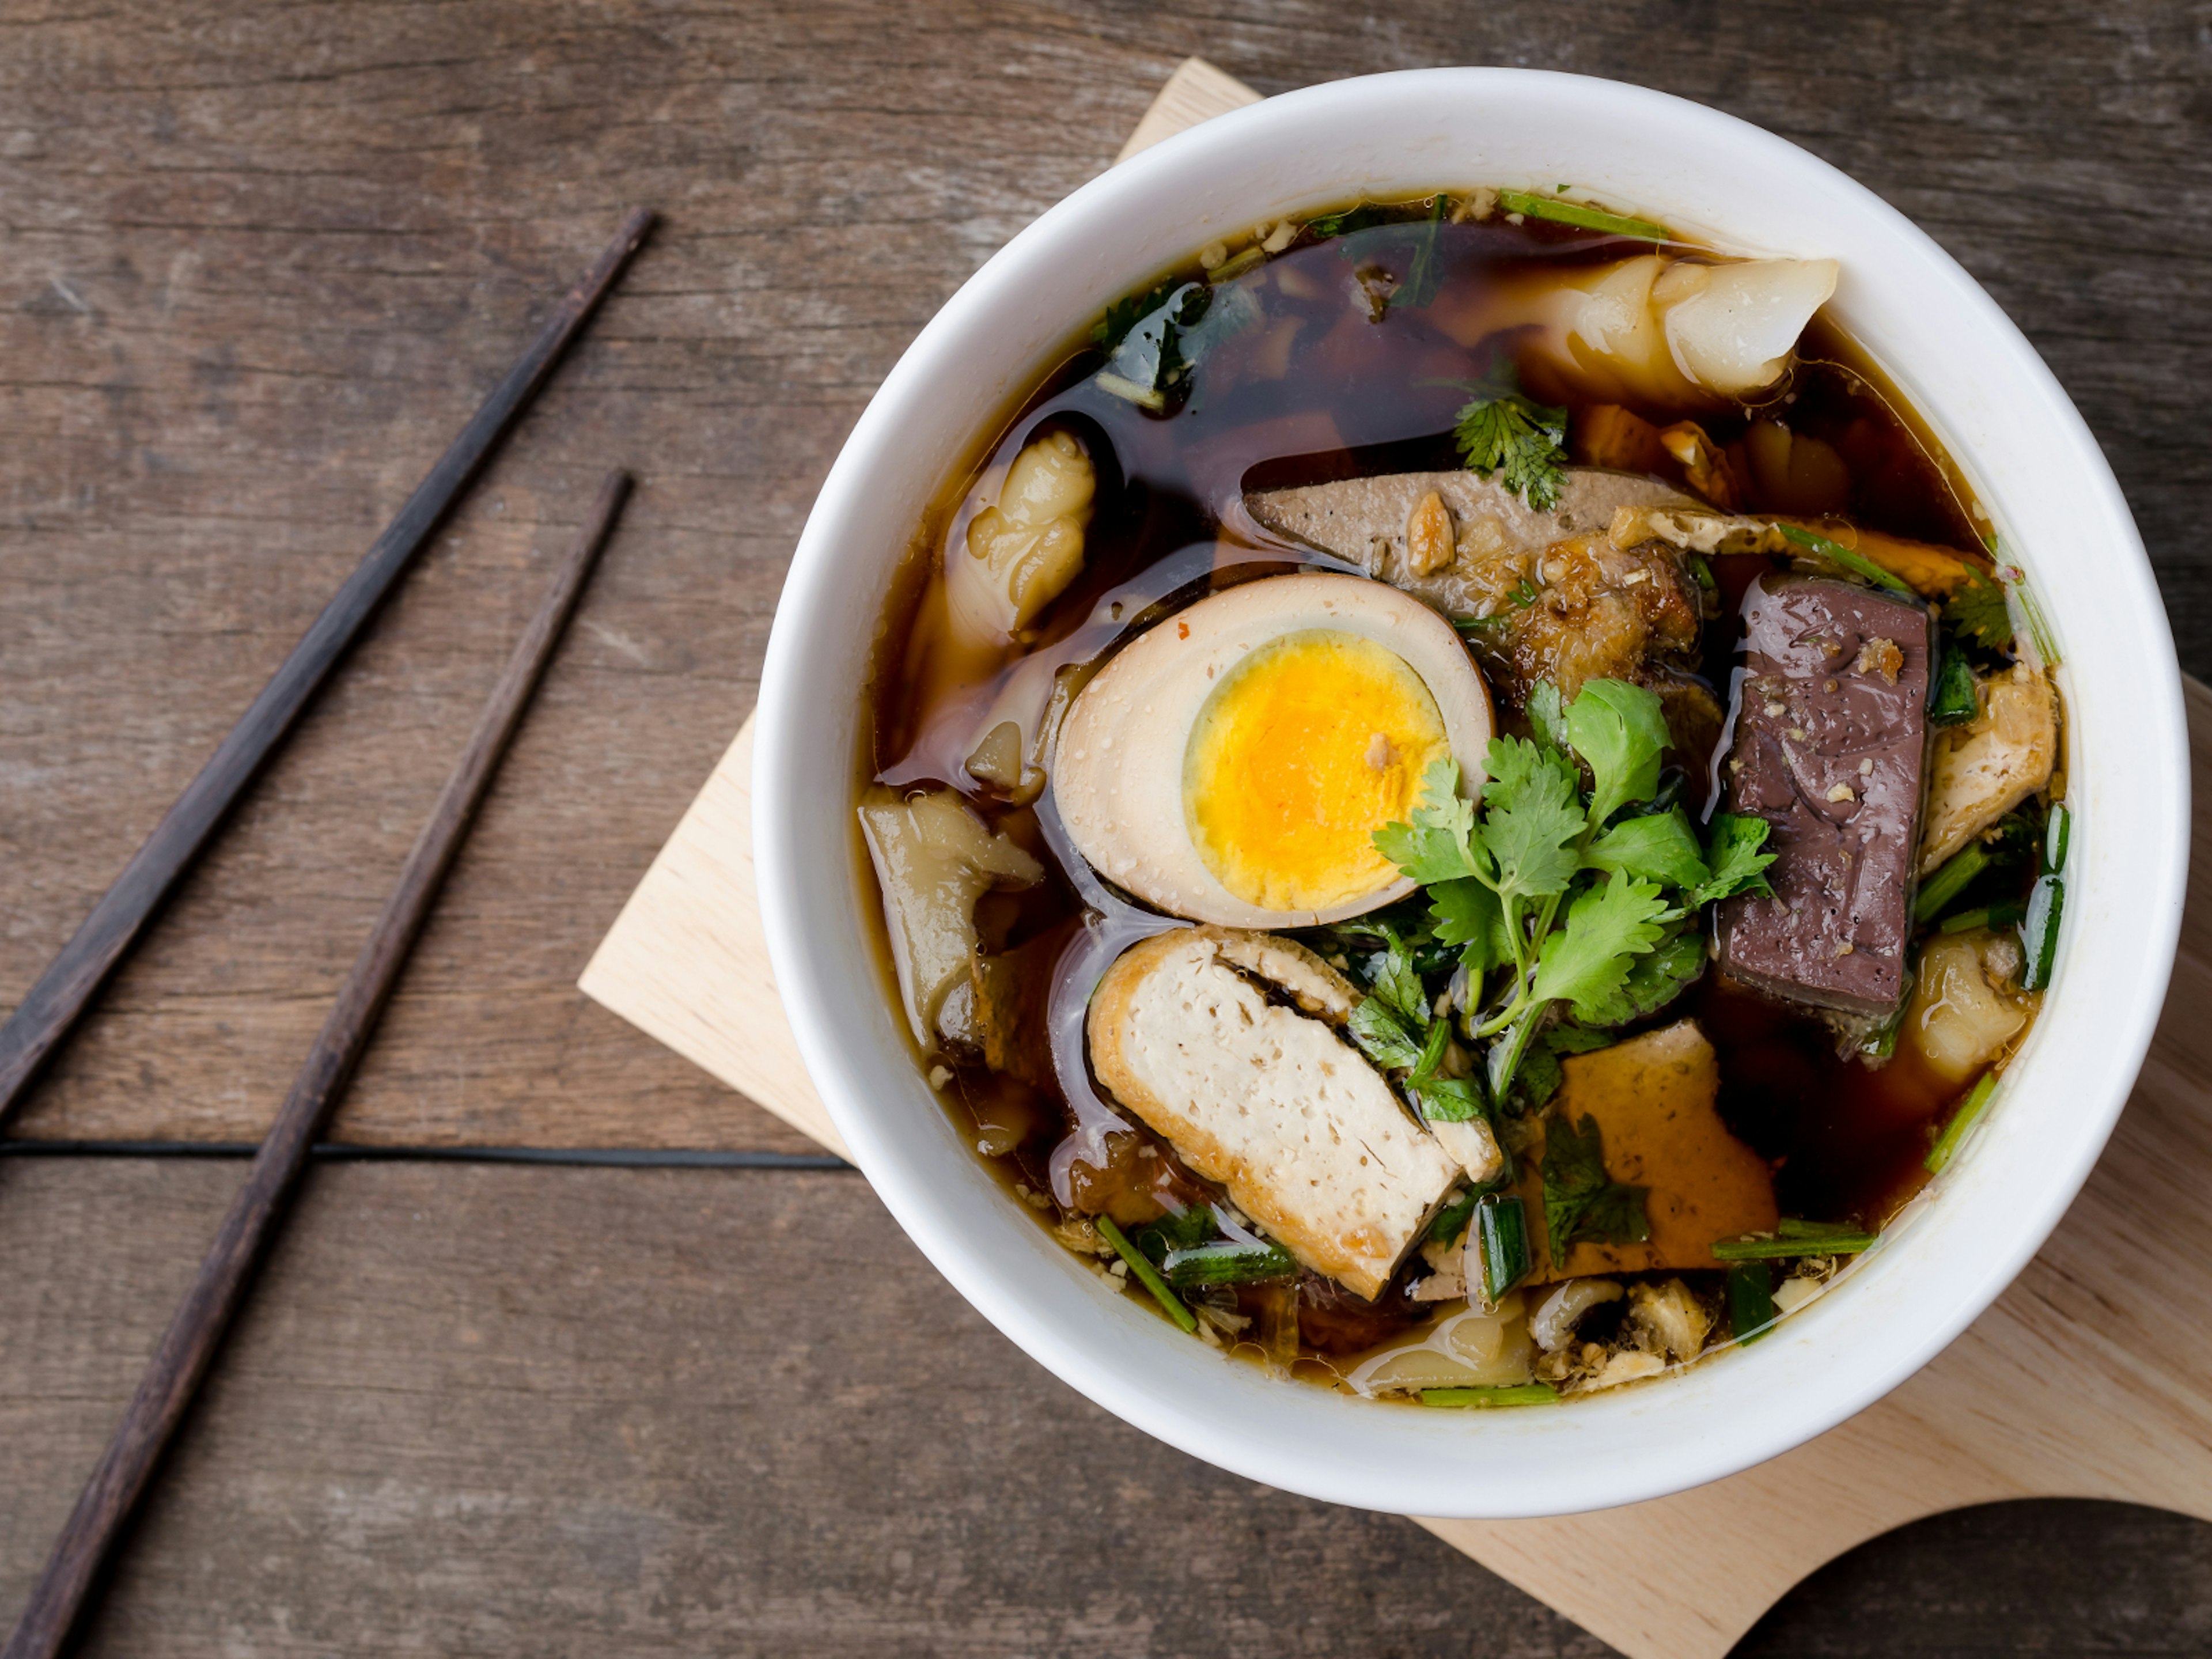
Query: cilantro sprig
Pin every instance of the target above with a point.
(1580, 1203)
(1582, 902)
(1503, 434)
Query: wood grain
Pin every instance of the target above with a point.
(686, 962)
(88, 1539)
(59, 998)
(480, 1411)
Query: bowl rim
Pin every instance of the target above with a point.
(1495, 1468)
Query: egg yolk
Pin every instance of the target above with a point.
(1303, 749)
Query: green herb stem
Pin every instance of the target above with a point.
(1836, 553)
(1522, 1393)
(1583, 218)
(2056, 834)
(1948, 882)
(1783, 1249)
(1970, 1109)
(1777, 1250)
(1148, 1276)
(2006, 913)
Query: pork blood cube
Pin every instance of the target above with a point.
(1831, 747)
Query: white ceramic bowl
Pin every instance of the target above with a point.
(2036, 467)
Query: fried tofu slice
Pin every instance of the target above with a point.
(1983, 770)
(1653, 1100)
(1221, 1041)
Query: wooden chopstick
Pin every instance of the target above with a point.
(196, 1332)
(52, 1006)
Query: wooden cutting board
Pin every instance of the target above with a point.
(2090, 1377)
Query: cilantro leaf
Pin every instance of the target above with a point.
(1978, 609)
(1532, 817)
(1580, 1203)
(1616, 1214)
(1586, 962)
(1619, 729)
(1737, 865)
(1520, 441)
(1397, 982)
(1445, 1099)
(1438, 845)
(1547, 713)
(1653, 981)
(1536, 1079)
(1383, 1036)
(1450, 1225)
(1125, 313)
(1468, 915)
(1149, 358)
(1657, 847)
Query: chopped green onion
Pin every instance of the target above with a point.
(1523, 1394)
(1149, 1276)
(1947, 883)
(1792, 1227)
(1750, 1299)
(1839, 554)
(1961, 1121)
(2056, 834)
(1704, 572)
(1501, 1233)
(2005, 915)
(1776, 1249)
(2039, 932)
(1586, 218)
(1233, 1263)
(1954, 699)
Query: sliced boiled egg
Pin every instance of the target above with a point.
(1233, 763)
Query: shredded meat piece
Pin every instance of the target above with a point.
(1598, 612)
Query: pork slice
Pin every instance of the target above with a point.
(1831, 749)
(1269, 1100)
(1557, 598)
(1363, 520)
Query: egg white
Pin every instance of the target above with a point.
(1118, 766)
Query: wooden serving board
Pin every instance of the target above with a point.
(2090, 1377)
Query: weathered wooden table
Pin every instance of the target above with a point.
(254, 266)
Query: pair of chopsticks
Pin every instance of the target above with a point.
(81, 1554)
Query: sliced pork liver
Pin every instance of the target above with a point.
(1831, 746)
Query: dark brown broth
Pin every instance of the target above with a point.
(1359, 396)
